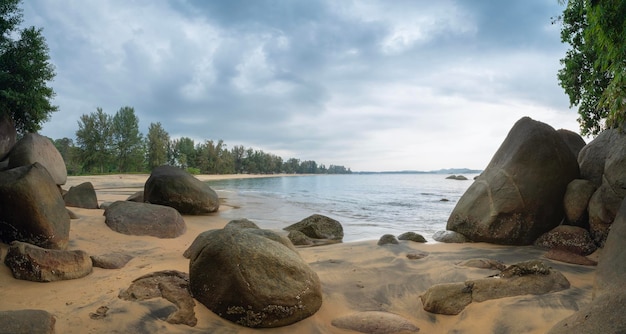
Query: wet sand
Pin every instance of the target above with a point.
(358, 276)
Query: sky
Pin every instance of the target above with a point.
(373, 85)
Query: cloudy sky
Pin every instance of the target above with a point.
(371, 85)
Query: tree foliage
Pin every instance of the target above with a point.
(94, 139)
(593, 73)
(157, 145)
(127, 140)
(25, 71)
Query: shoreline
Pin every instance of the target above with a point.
(356, 276)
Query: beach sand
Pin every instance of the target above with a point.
(359, 276)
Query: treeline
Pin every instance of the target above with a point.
(114, 144)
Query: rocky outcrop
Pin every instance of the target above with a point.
(605, 313)
(375, 322)
(524, 278)
(32, 263)
(37, 148)
(247, 277)
(32, 209)
(457, 177)
(568, 238)
(520, 194)
(81, 196)
(412, 236)
(576, 201)
(134, 218)
(170, 284)
(27, 322)
(8, 135)
(318, 227)
(174, 187)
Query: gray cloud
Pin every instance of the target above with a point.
(373, 85)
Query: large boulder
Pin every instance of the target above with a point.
(576, 201)
(573, 140)
(172, 186)
(32, 263)
(605, 313)
(81, 196)
(318, 227)
(593, 156)
(519, 196)
(37, 148)
(252, 280)
(133, 218)
(32, 209)
(8, 135)
(27, 322)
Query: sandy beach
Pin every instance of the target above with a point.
(356, 277)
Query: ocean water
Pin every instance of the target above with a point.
(367, 205)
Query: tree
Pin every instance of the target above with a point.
(94, 139)
(69, 152)
(25, 71)
(593, 73)
(158, 141)
(184, 152)
(127, 140)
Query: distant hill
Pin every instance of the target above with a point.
(440, 171)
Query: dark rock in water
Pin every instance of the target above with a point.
(318, 227)
(32, 263)
(134, 218)
(449, 237)
(412, 236)
(32, 209)
(37, 148)
(569, 257)
(81, 196)
(388, 239)
(8, 135)
(170, 284)
(27, 322)
(136, 197)
(569, 238)
(375, 322)
(520, 194)
(530, 277)
(174, 187)
(573, 140)
(576, 201)
(457, 177)
(251, 279)
(483, 263)
(111, 260)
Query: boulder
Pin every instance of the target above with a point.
(387, 239)
(252, 280)
(136, 197)
(568, 238)
(576, 201)
(602, 209)
(170, 284)
(27, 322)
(299, 239)
(111, 260)
(519, 196)
(412, 236)
(134, 218)
(529, 277)
(32, 263)
(32, 209)
(81, 196)
(174, 187)
(241, 223)
(573, 140)
(593, 156)
(318, 227)
(8, 135)
(37, 148)
(375, 322)
(449, 237)
(569, 257)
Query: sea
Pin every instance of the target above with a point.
(367, 205)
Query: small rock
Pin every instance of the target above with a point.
(416, 256)
(388, 239)
(33, 263)
(375, 322)
(100, 313)
(412, 236)
(449, 237)
(483, 263)
(111, 260)
(569, 257)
